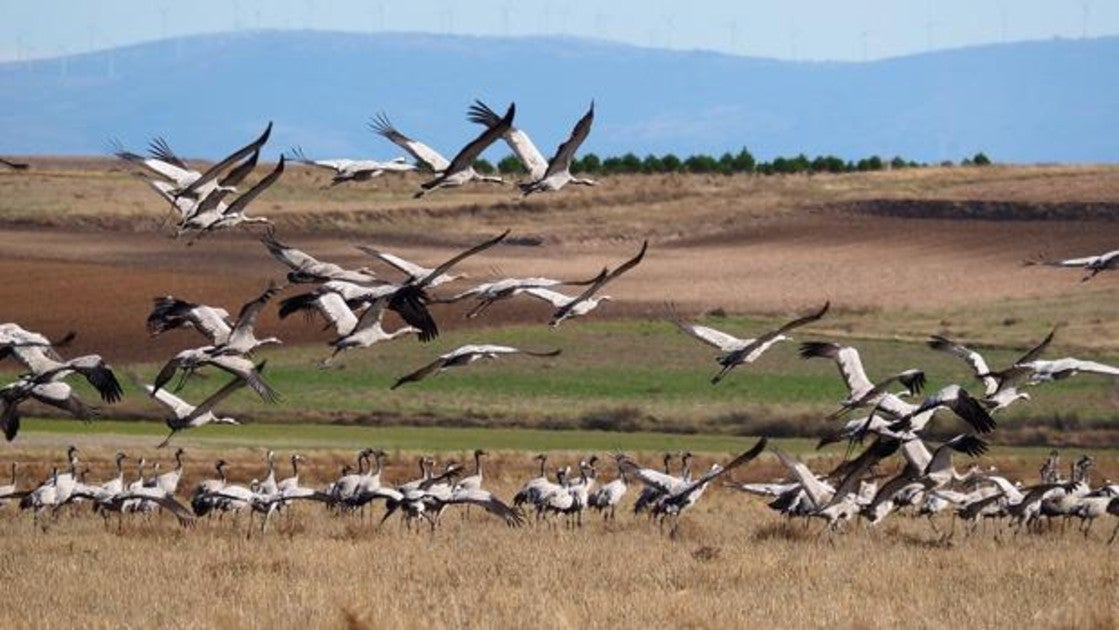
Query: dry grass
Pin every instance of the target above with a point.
(735, 563)
(101, 193)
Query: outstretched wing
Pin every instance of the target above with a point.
(710, 336)
(465, 158)
(231, 159)
(800, 321)
(294, 258)
(243, 368)
(601, 282)
(533, 161)
(246, 319)
(238, 173)
(975, 360)
(1036, 351)
(744, 458)
(423, 153)
(99, 375)
(166, 373)
(561, 161)
(217, 397)
(239, 204)
(421, 373)
(846, 359)
(446, 266)
(181, 512)
(491, 504)
(817, 491)
(372, 314)
(160, 150)
(410, 302)
(857, 468)
(297, 155)
(409, 268)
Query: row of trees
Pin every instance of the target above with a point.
(727, 163)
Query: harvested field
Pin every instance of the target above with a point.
(735, 562)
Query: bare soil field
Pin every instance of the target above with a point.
(88, 231)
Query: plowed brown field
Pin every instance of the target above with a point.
(743, 244)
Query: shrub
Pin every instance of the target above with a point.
(589, 164)
(670, 163)
(510, 164)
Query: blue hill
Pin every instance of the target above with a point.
(1024, 102)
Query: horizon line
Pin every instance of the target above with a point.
(556, 36)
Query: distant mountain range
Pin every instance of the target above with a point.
(1051, 101)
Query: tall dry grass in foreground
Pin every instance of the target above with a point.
(735, 563)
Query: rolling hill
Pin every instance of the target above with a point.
(1024, 102)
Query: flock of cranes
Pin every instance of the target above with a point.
(198, 198)
(562, 496)
(353, 302)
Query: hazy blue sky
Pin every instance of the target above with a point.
(797, 29)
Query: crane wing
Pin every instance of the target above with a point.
(1036, 351)
(975, 360)
(409, 268)
(465, 158)
(421, 373)
(601, 282)
(229, 160)
(241, 202)
(225, 392)
(446, 266)
(846, 358)
(561, 161)
(819, 492)
(531, 157)
(423, 153)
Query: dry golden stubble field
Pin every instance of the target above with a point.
(735, 562)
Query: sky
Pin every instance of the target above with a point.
(848, 30)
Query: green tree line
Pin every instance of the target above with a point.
(727, 163)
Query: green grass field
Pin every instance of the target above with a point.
(52, 432)
(634, 375)
(398, 438)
